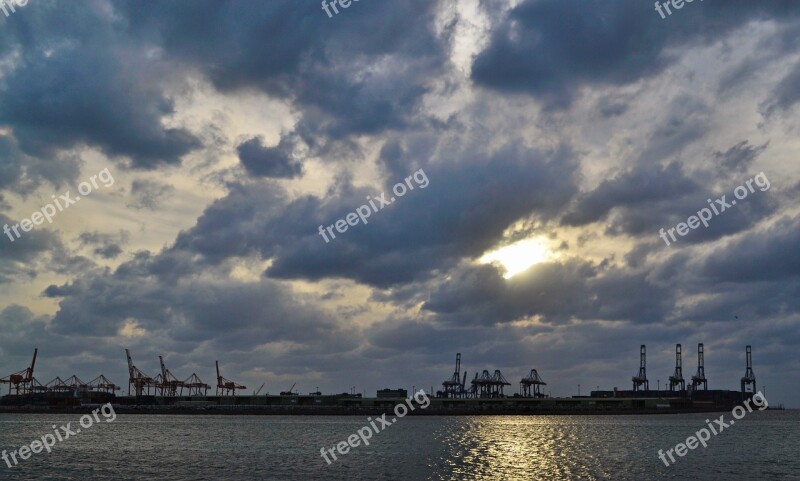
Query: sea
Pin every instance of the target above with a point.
(760, 446)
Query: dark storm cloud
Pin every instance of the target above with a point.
(229, 314)
(786, 94)
(149, 194)
(16, 323)
(648, 195)
(21, 259)
(407, 334)
(275, 162)
(107, 246)
(641, 201)
(11, 163)
(348, 76)
(558, 292)
(634, 188)
(234, 226)
(403, 154)
(70, 87)
(741, 156)
(462, 213)
(612, 106)
(776, 301)
(479, 295)
(687, 120)
(22, 173)
(550, 48)
(759, 256)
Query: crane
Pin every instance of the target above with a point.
(290, 392)
(226, 386)
(22, 382)
(169, 383)
(137, 378)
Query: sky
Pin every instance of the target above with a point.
(548, 143)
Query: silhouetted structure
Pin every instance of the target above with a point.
(700, 377)
(196, 386)
(391, 393)
(641, 379)
(749, 377)
(533, 380)
(490, 386)
(454, 387)
(677, 377)
(167, 382)
(140, 381)
(56, 385)
(226, 386)
(22, 382)
(102, 384)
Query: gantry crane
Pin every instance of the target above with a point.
(168, 383)
(488, 385)
(226, 386)
(641, 378)
(700, 377)
(749, 378)
(196, 386)
(534, 380)
(22, 382)
(102, 384)
(677, 377)
(454, 387)
(139, 380)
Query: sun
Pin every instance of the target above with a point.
(517, 257)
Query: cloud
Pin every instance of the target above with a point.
(373, 84)
(785, 96)
(466, 207)
(642, 122)
(22, 174)
(228, 314)
(551, 48)
(107, 246)
(149, 194)
(274, 162)
(740, 157)
(22, 258)
(642, 186)
(70, 88)
(758, 256)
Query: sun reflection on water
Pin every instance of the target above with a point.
(524, 448)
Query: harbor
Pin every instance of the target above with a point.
(486, 394)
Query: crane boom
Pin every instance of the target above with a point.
(163, 368)
(33, 364)
(130, 362)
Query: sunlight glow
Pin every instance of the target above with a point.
(517, 257)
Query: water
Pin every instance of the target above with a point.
(762, 445)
